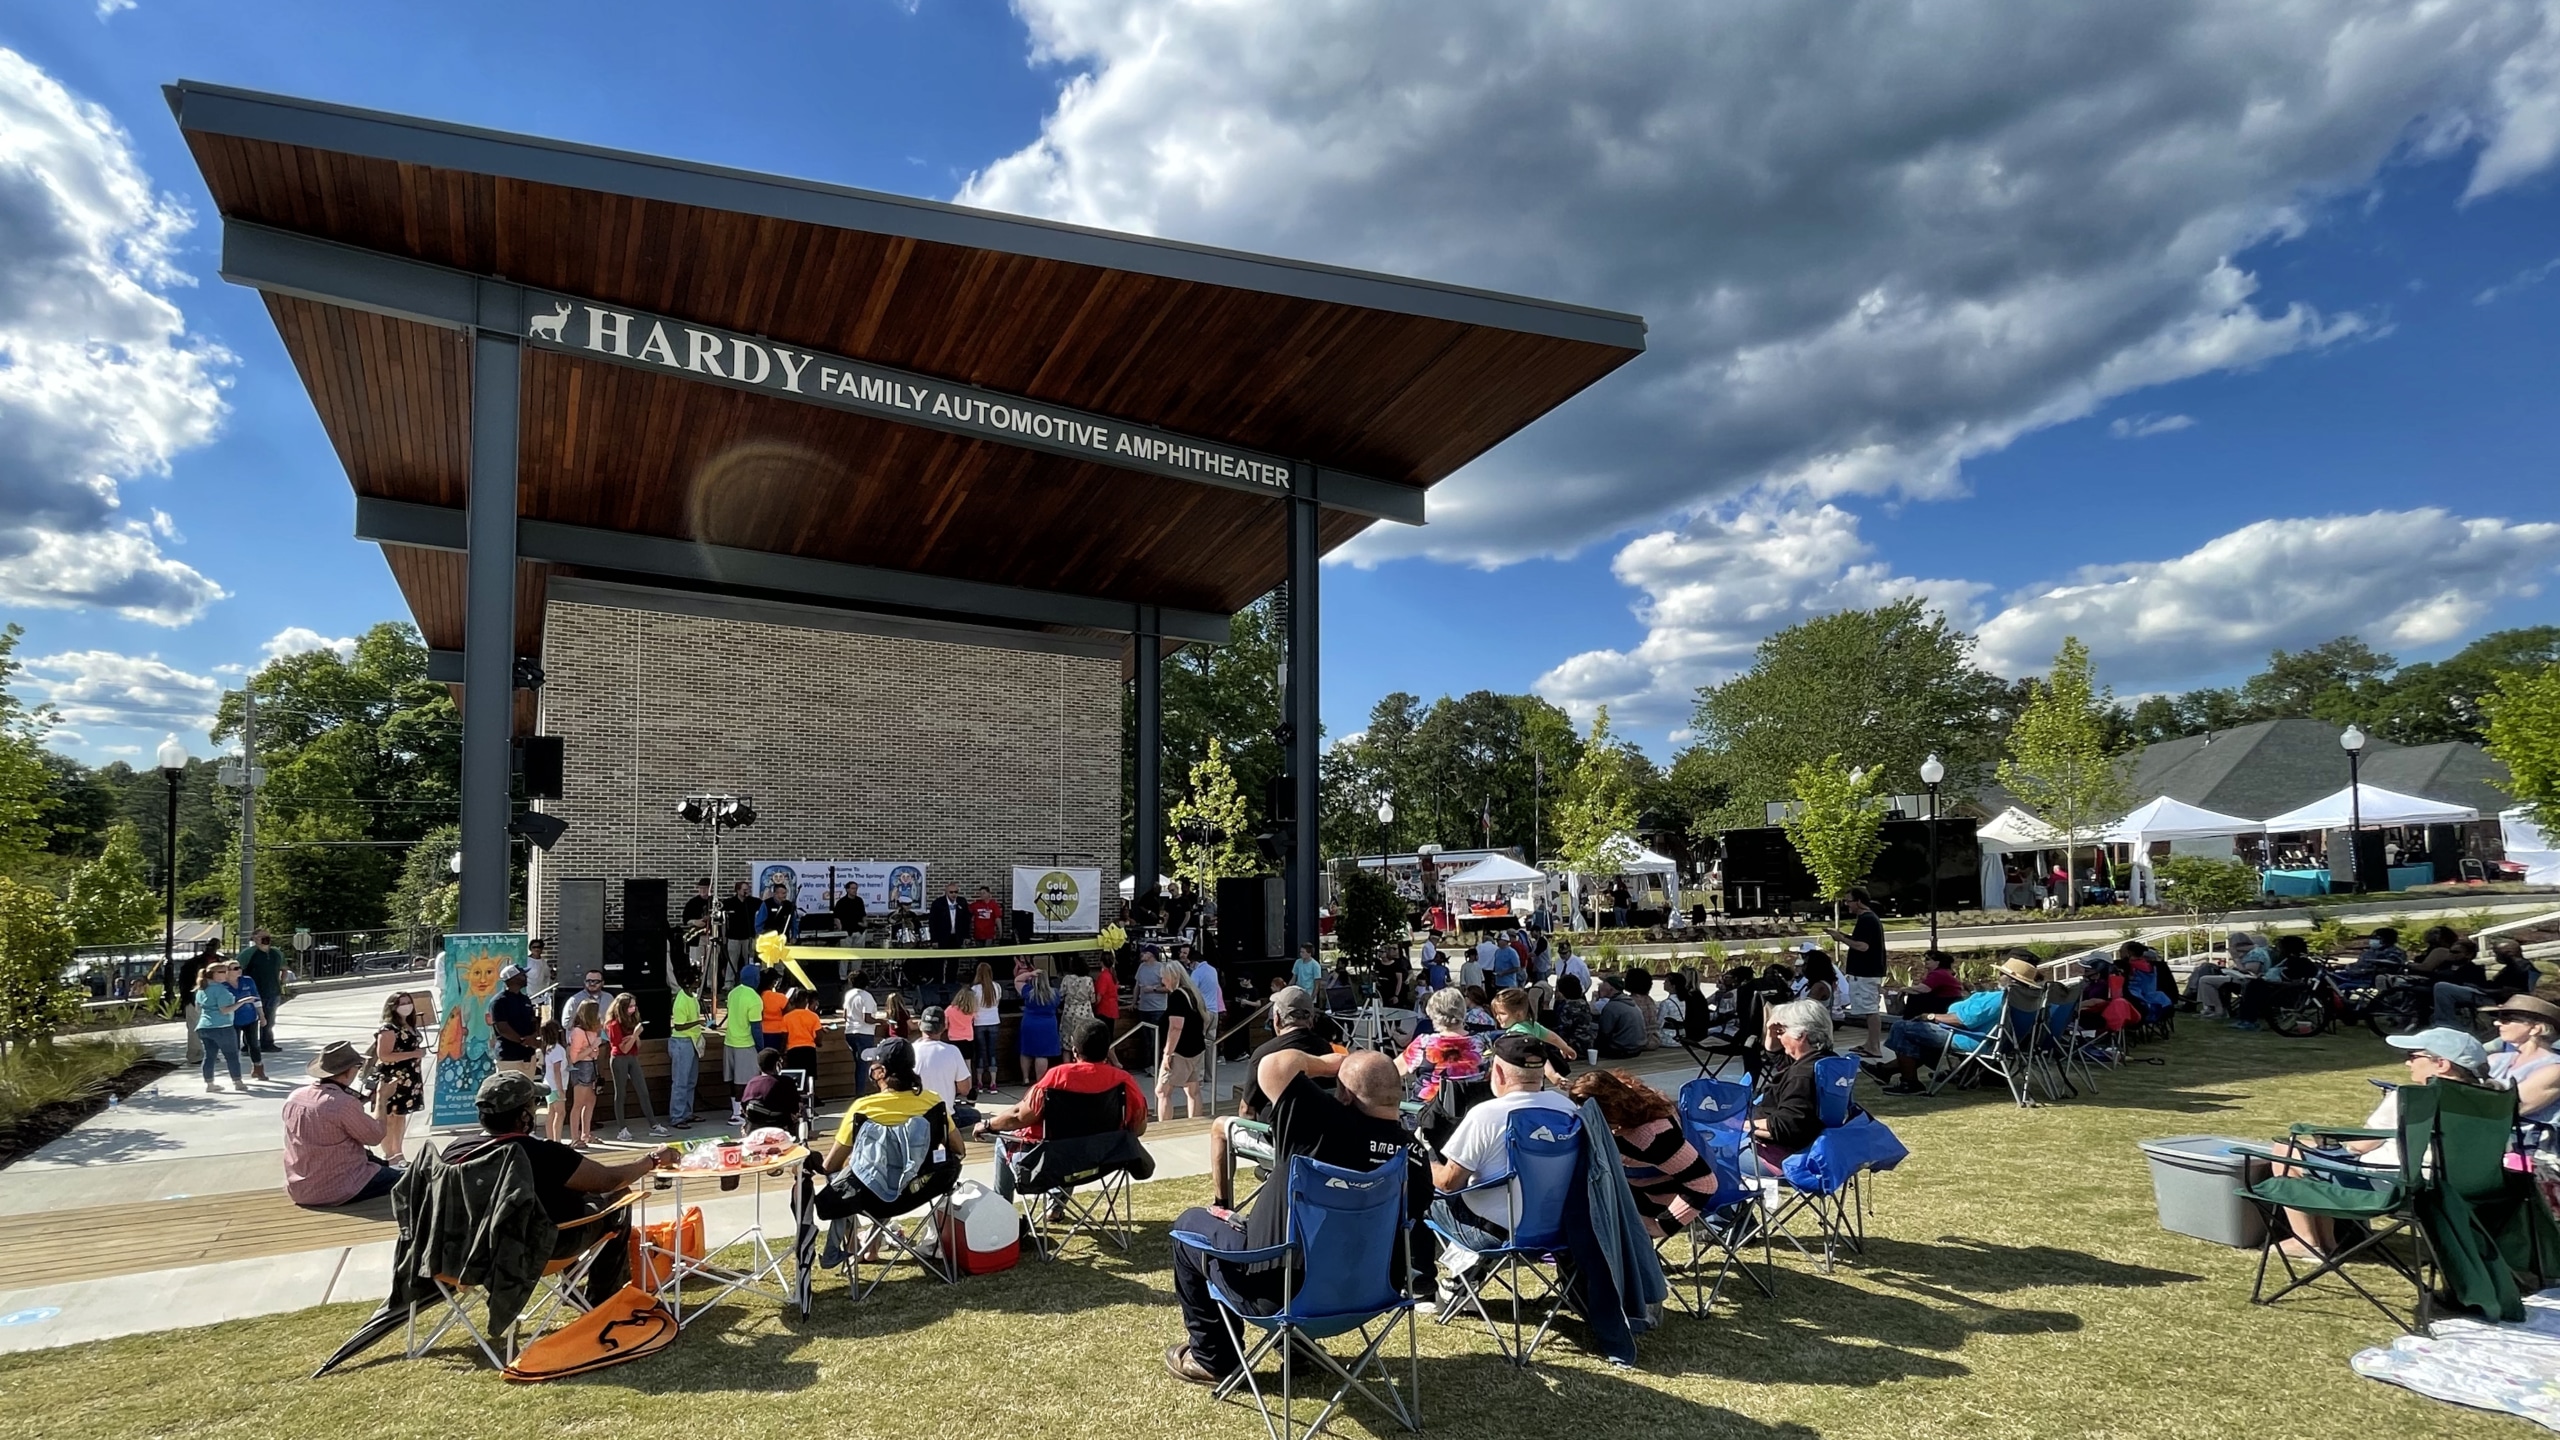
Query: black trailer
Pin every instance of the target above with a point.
(1763, 875)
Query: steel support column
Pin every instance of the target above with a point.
(489, 629)
(1299, 710)
(1146, 858)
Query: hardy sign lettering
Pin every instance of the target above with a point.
(747, 362)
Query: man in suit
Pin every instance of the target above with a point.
(947, 922)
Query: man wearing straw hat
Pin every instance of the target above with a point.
(326, 1131)
(1964, 1023)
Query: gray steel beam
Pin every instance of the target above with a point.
(408, 140)
(489, 640)
(436, 527)
(444, 666)
(280, 262)
(1300, 709)
(1146, 861)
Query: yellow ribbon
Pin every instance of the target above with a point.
(772, 949)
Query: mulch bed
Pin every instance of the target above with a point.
(51, 1122)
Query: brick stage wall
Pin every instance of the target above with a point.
(855, 747)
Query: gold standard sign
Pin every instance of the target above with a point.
(1062, 899)
(744, 362)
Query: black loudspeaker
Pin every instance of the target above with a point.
(545, 766)
(1251, 919)
(644, 907)
(1280, 799)
(1025, 928)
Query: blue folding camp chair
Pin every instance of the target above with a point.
(1824, 1182)
(1710, 1119)
(1546, 1164)
(1345, 1237)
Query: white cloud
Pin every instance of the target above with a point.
(107, 8)
(100, 382)
(2135, 427)
(1719, 584)
(1872, 241)
(296, 639)
(2414, 578)
(2529, 276)
(102, 688)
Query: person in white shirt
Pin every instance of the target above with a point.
(1568, 963)
(944, 1070)
(860, 1010)
(1213, 998)
(1478, 1150)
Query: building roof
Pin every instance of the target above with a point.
(2273, 766)
(379, 242)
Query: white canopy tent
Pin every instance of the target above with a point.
(1129, 886)
(2369, 806)
(2167, 819)
(1633, 859)
(2012, 831)
(2529, 847)
(1500, 874)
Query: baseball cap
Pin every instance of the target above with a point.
(2446, 1043)
(507, 1092)
(1292, 1000)
(511, 972)
(895, 1056)
(932, 1020)
(1525, 1051)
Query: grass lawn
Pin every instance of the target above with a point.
(2015, 1286)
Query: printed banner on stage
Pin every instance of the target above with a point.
(466, 1048)
(814, 883)
(1062, 899)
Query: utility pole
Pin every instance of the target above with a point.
(245, 776)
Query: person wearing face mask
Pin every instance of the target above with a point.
(399, 1085)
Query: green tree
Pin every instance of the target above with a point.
(36, 998)
(363, 756)
(1597, 820)
(1224, 846)
(1692, 795)
(2207, 888)
(2303, 682)
(427, 901)
(1836, 827)
(1894, 685)
(26, 784)
(2524, 731)
(2058, 765)
(111, 900)
(1369, 914)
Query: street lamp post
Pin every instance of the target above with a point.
(1933, 771)
(2351, 740)
(173, 768)
(1386, 817)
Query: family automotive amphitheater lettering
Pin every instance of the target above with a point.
(743, 362)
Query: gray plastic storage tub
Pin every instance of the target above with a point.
(2196, 1181)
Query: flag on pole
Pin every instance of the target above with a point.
(1488, 821)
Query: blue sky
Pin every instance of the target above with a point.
(2070, 339)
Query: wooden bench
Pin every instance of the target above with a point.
(50, 1247)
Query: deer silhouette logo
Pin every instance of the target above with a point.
(548, 327)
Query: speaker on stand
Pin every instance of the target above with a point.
(644, 954)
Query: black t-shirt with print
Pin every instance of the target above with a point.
(1308, 1121)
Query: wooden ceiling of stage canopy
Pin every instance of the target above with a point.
(1396, 380)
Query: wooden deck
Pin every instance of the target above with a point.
(55, 1246)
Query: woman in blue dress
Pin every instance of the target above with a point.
(1039, 1034)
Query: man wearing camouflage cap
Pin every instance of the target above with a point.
(565, 1181)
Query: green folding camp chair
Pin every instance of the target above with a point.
(2452, 1219)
